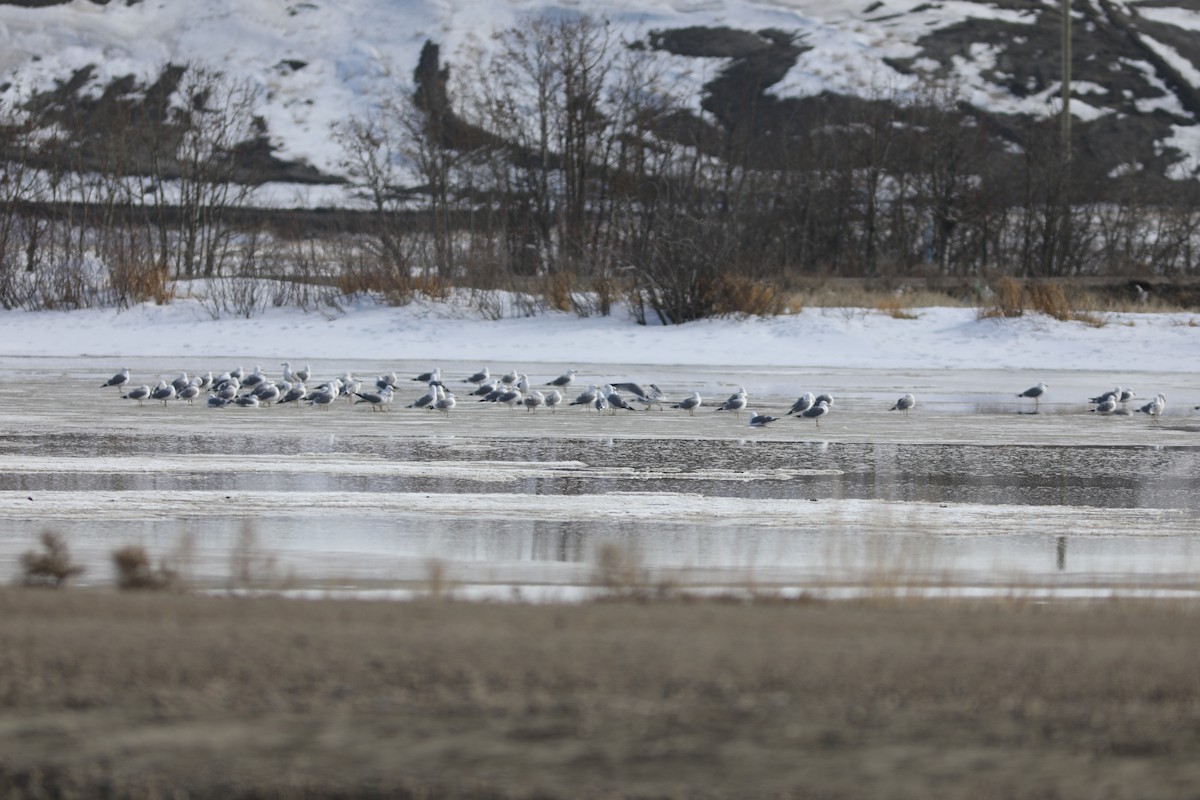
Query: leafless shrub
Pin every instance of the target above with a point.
(50, 566)
(487, 303)
(1011, 298)
(134, 570)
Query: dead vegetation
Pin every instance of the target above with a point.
(1013, 298)
(138, 695)
(50, 566)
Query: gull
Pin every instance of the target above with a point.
(118, 380)
(1035, 392)
(294, 394)
(485, 388)
(816, 412)
(1127, 395)
(651, 396)
(534, 399)
(445, 401)
(164, 391)
(495, 394)
(564, 379)
(206, 381)
(138, 393)
(825, 396)
(804, 403)
(1106, 406)
(599, 402)
(1113, 393)
(288, 375)
(377, 399)
(324, 396)
(736, 402)
(237, 372)
(690, 403)
(587, 397)
(254, 378)
(181, 381)
(434, 376)
(189, 392)
(1155, 407)
(510, 378)
(350, 386)
(228, 389)
(302, 375)
(426, 400)
(267, 392)
(553, 399)
(217, 402)
(760, 420)
(905, 404)
(510, 397)
(615, 401)
(386, 380)
(247, 400)
(479, 377)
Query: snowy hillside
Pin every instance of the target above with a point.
(1137, 64)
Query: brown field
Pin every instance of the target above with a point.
(106, 694)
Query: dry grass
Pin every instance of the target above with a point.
(139, 695)
(1012, 298)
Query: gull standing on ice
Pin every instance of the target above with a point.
(118, 380)
(615, 401)
(1106, 406)
(534, 399)
(553, 399)
(587, 397)
(804, 403)
(816, 412)
(138, 393)
(510, 398)
(1155, 407)
(294, 394)
(479, 377)
(426, 400)
(445, 401)
(164, 391)
(377, 399)
(690, 403)
(563, 380)
(1036, 393)
(905, 404)
(736, 402)
(189, 392)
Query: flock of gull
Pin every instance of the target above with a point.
(239, 388)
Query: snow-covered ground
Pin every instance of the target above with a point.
(938, 339)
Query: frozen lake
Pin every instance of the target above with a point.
(972, 492)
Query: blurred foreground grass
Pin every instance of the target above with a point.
(170, 695)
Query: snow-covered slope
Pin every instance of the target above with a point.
(320, 61)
